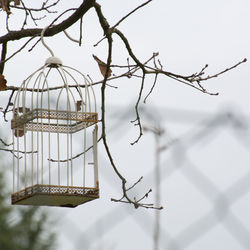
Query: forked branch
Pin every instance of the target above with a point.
(125, 197)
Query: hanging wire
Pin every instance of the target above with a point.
(45, 45)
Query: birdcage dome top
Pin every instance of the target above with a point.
(55, 91)
(53, 60)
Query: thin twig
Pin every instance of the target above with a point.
(4, 143)
(3, 56)
(139, 180)
(17, 51)
(76, 156)
(43, 7)
(130, 13)
(15, 151)
(224, 71)
(152, 88)
(80, 39)
(7, 106)
(138, 119)
(71, 38)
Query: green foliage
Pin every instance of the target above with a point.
(23, 228)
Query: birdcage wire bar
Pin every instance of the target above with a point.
(44, 128)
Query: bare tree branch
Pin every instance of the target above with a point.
(76, 156)
(3, 56)
(152, 88)
(8, 104)
(130, 13)
(16, 35)
(136, 69)
(136, 202)
(19, 151)
(2, 62)
(44, 7)
(137, 121)
(4, 143)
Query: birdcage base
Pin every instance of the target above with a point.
(50, 195)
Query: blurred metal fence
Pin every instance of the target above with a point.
(221, 201)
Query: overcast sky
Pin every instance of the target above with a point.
(187, 35)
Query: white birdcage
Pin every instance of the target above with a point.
(54, 152)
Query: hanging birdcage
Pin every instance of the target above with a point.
(55, 138)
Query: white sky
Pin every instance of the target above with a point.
(188, 35)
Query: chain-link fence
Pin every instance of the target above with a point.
(204, 187)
